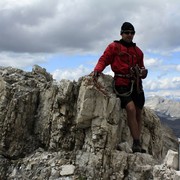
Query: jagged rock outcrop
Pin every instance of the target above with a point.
(70, 130)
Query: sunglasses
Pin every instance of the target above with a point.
(129, 32)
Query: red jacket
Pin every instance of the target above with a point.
(121, 57)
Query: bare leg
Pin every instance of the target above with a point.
(139, 119)
(133, 123)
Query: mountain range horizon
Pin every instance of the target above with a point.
(168, 111)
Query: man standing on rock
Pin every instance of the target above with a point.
(126, 60)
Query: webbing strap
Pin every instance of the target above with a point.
(124, 75)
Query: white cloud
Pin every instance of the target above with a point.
(71, 74)
(84, 25)
(162, 84)
(151, 62)
(178, 67)
(12, 4)
(22, 60)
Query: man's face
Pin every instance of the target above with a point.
(128, 36)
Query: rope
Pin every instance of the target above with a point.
(126, 93)
(93, 81)
(100, 87)
(135, 75)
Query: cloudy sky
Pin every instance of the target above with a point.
(67, 37)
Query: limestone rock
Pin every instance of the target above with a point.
(71, 130)
(67, 170)
(171, 159)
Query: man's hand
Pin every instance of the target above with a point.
(96, 74)
(143, 73)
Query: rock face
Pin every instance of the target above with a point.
(70, 130)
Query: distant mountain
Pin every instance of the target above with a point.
(165, 106)
(168, 110)
(174, 125)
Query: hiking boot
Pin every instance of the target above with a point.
(136, 148)
(143, 151)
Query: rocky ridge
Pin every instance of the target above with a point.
(70, 130)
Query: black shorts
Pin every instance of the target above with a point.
(137, 98)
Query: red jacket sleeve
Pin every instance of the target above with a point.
(106, 58)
